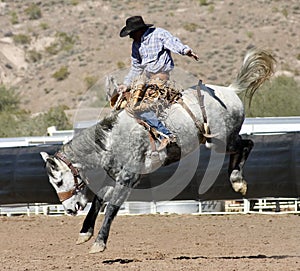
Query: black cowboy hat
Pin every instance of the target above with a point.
(133, 23)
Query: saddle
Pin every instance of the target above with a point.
(144, 95)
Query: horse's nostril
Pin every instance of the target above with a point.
(70, 212)
(78, 206)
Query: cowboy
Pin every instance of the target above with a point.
(151, 54)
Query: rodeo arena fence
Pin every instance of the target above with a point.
(272, 172)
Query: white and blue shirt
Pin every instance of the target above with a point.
(153, 53)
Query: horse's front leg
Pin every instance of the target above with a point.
(236, 164)
(101, 240)
(120, 194)
(87, 229)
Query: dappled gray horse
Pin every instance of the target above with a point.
(121, 146)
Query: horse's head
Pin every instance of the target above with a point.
(67, 182)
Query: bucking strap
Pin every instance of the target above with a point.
(201, 101)
(203, 128)
(199, 125)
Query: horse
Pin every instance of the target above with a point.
(120, 146)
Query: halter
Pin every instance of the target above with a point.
(77, 186)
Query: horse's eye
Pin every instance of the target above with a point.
(60, 183)
(51, 162)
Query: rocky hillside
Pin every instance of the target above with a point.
(52, 52)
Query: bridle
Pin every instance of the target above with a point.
(77, 186)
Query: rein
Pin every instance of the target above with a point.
(77, 186)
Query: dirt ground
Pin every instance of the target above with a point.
(154, 242)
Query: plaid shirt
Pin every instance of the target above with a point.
(153, 53)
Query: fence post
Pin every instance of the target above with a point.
(246, 206)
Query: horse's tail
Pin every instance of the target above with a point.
(258, 66)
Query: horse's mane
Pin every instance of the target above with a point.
(90, 140)
(104, 126)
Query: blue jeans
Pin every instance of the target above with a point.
(151, 118)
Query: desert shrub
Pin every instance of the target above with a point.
(53, 48)
(55, 117)
(66, 41)
(74, 2)
(203, 2)
(21, 39)
(191, 27)
(121, 65)
(15, 122)
(9, 124)
(44, 26)
(33, 12)
(90, 81)
(14, 18)
(9, 100)
(33, 56)
(21, 123)
(250, 34)
(211, 8)
(285, 12)
(61, 74)
(37, 126)
(279, 97)
(63, 42)
(10, 113)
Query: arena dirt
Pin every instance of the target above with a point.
(154, 242)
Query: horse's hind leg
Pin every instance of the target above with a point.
(87, 229)
(237, 160)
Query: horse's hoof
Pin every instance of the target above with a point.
(97, 247)
(240, 187)
(83, 237)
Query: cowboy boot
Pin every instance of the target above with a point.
(163, 144)
(165, 141)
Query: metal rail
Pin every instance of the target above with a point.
(244, 206)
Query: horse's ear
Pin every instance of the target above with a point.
(44, 155)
